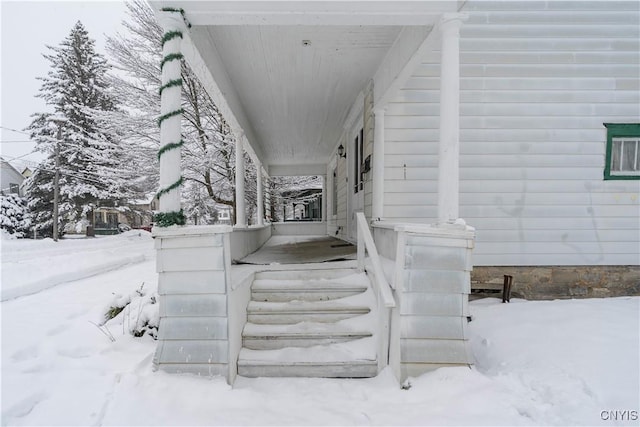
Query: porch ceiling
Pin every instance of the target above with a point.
(297, 97)
(292, 98)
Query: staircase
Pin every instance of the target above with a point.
(313, 323)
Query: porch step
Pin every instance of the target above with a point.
(297, 290)
(354, 359)
(366, 369)
(268, 286)
(322, 274)
(302, 311)
(318, 326)
(270, 339)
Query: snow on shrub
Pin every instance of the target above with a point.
(137, 313)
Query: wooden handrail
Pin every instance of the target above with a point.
(365, 240)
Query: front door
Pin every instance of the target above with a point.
(355, 155)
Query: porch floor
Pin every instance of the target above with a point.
(301, 250)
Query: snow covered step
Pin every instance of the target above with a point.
(354, 359)
(315, 323)
(326, 274)
(280, 291)
(277, 340)
(278, 286)
(302, 311)
(347, 369)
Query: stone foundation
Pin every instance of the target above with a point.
(554, 282)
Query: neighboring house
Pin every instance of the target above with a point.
(141, 212)
(11, 180)
(110, 218)
(136, 214)
(224, 214)
(520, 119)
(302, 205)
(106, 220)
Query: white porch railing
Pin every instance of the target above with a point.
(384, 294)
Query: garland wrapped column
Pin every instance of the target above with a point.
(171, 111)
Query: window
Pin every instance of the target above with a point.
(623, 151)
(334, 205)
(14, 188)
(357, 161)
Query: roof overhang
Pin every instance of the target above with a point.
(312, 12)
(287, 73)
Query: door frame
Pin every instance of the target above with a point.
(355, 152)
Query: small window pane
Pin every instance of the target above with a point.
(637, 156)
(112, 220)
(628, 155)
(615, 155)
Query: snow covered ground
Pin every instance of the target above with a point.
(29, 266)
(571, 362)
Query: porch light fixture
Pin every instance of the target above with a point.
(341, 152)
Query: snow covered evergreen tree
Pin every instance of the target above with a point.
(91, 156)
(199, 207)
(14, 216)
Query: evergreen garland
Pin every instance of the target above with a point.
(169, 146)
(165, 219)
(169, 115)
(173, 186)
(170, 35)
(171, 83)
(180, 11)
(170, 57)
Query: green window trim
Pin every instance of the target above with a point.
(618, 130)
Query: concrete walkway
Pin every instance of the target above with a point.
(301, 250)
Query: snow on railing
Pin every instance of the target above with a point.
(365, 241)
(384, 295)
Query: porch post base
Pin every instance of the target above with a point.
(193, 266)
(434, 269)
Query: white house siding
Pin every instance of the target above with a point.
(538, 80)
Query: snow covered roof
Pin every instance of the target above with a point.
(8, 166)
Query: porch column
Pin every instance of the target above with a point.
(449, 151)
(260, 199)
(378, 164)
(241, 220)
(267, 193)
(324, 198)
(170, 113)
